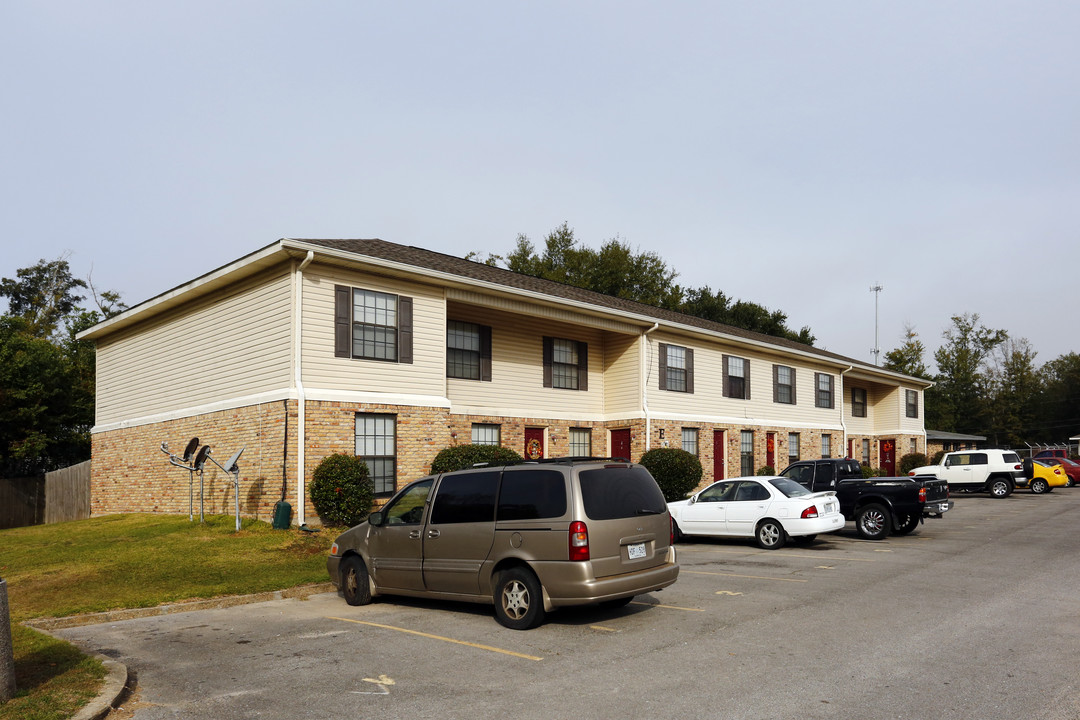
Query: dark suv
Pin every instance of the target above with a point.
(528, 538)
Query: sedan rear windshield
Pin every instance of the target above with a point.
(620, 491)
(789, 487)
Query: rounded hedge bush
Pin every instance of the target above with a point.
(677, 471)
(766, 470)
(341, 490)
(460, 457)
(911, 461)
(936, 460)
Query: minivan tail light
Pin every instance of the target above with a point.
(671, 527)
(579, 541)
(810, 512)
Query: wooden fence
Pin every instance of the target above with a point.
(57, 496)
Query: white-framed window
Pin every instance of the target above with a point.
(912, 403)
(486, 434)
(376, 445)
(866, 452)
(676, 368)
(566, 364)
(736, 377)
(858, 402)
(784, 384)
(462, 350)
(690, 440)
(826, 445)
(375, 325)
(792, 447)
(580, 442)
(746, 453)
(914, 447)
(824, 396)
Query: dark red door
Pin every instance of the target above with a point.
(851, 448)
(620, 443)
(770, 450)
(718, 456)
(888, 457)
(534, 443)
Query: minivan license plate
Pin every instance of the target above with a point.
(636, 551)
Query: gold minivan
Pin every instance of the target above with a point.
(528, 538)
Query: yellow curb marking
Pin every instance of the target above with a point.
(727, 592)
(439, 637)
(602, 628)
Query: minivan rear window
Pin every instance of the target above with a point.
(532, 495)
(620, 492)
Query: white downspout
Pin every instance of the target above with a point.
(843, 424)
(645, 358)
(301, 397)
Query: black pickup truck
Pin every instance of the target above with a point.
(877, 505)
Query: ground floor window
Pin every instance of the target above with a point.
(485, 434)
(914, 446)
(376, 445)
(580, 442)
(792, 447)
(826, 446)
(746, 453)
(866, 452)
(690, 440)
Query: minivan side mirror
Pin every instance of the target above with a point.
(375, 519)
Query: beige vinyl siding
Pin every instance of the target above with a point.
(622, 375)
(708, 401)
(910, 425)
(425, 376)
(887, 411)
(227, 345)
(517, 369)
(859, 425)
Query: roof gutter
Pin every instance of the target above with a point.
(843, 425)
(645, 373)
(298, 382)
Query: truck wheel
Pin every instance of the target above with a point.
(872, 522)
(770, 535)
(1040, 486)
(1001, 488)
(906, 524)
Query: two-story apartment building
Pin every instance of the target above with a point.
(310, 347)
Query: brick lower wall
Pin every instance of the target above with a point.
(131, 474)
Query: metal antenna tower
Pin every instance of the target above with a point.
(876, 350)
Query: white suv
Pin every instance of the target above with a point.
(992, 471)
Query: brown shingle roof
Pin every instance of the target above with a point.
(431, 260)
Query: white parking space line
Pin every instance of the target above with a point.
(441, 638)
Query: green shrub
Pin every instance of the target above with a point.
(677, 471)
(869, 472)
(766, 470)
(911, 461)
(341, 490)
(936, 460)
(460, 457)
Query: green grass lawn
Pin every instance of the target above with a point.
(130, 561)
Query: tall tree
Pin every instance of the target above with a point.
(1059, 399)
(617, 270)
(1015, 386)
(958, 402)
(908, 358)
(46, 375)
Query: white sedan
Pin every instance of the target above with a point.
(769, 509)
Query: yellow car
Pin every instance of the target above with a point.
(1042, 476)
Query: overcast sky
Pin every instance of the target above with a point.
(789, 153)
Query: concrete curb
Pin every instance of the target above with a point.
(301, 592)
(117, 675)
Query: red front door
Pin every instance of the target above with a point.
(718, 456)
(851, 447)
(888, 457)
(620, 443)
(534, 443)
(770, 450)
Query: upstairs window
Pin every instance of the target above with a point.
(736, 377)
(824, 396)
(468, 351)
(372, 325)
(858, 402)
(912, 403)
(566, 364)
(676, 368)
(784, 384)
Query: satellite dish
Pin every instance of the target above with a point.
(230, 465)
(189, 451)
(200, 459)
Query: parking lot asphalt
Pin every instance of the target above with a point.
(974, 615)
